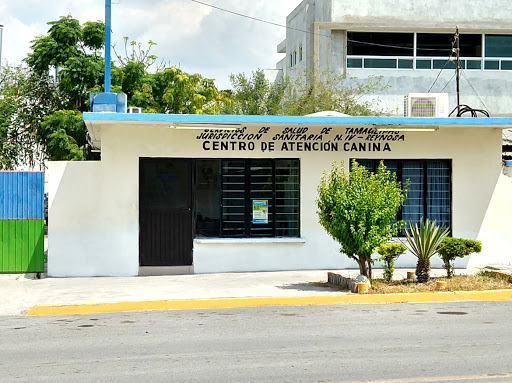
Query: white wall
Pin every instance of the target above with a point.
(87, 231)
(496, 230)
(94, 206)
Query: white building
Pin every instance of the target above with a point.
(409, 43)
(188, 194)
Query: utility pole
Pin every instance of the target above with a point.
(457, 69)
(108, 28)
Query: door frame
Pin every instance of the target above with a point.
(168, 270)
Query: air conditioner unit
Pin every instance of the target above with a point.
(426, 105)
(134, 109)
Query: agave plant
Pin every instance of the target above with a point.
(423, 242)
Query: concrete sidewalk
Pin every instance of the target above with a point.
(21, 293)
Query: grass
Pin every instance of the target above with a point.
(477, 282)
(480, 282)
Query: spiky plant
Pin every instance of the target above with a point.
(423, 242)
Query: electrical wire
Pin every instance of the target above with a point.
(444, 66)
(467, 79)
(256, 19)
(449, 81)
(308, 32)
(467, 109)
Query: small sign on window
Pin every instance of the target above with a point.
(260, 211)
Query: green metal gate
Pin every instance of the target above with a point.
(21, 222)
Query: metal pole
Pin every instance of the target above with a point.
(1, 33)
(457, 70)
(108, 27)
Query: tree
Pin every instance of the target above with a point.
(25, 99)
(65, 136)
(310, 93)
(73, 50)
(424, 241)
(304, 94)
(357, 209)
(452, 248)
(255, 95)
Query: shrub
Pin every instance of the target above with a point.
(389, 254)
(423, 242)
(452, 248)
(357, 209)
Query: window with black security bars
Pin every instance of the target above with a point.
(240, 183)
(430, 183)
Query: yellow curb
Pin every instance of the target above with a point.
(223, 303)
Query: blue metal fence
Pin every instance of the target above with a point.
(21, 195)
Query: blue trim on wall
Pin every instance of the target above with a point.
(202, 118)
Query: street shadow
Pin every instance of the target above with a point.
(311, 286)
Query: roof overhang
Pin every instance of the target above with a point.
(96, 121)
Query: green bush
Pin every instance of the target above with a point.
(389, 254)
(452, 248)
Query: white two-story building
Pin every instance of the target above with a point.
(409, 43)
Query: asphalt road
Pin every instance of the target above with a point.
(442, 342)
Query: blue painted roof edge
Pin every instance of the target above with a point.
(203, 118)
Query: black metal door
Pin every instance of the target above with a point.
(165, 212)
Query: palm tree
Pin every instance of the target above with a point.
(423, 242)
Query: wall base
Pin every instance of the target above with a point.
(164, 270)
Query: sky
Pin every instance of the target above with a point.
(195, 37)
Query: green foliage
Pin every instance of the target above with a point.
(306, 93)
(424, 241)
(389, 254)
(93, 34)
(310, 93)
(452, 248)
(172, 91)
(64, 136)
(25, 99)
(135, 52)
(73, 49)
(255, 95)
(357, 208)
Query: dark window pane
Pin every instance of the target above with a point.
(261, 184)
(354, 63)
(208, 198)
(380, 44)
(440, 45)
(233, 198)
(379, 63)
(492, 65)
(474, 64)
(287, 191)
(506, 65)
(498, 46)
(438, 192)
(412, 171)
(405, 64)
(423, 64)
(448, 64)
